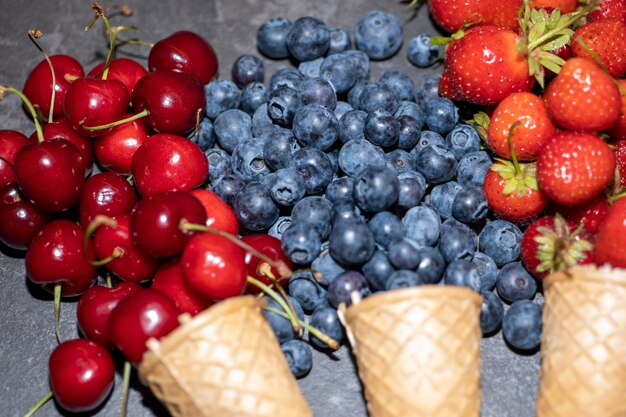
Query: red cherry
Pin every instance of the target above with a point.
(155, 222)
(133, 264)
(38, 86)
(81, 374)
(106, 193)
(175, 101)
(94, 310)
(214, 266)
(50, 174)
(143, 314)
(115, 150)
(56, 255)
(185, 52)
(269, 246)
(20, 220)
(124, 70)
(10, 142)
(219, 214)
(169, 280)
(168, 162)
(92, 102)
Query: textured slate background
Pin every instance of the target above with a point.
(26, 324)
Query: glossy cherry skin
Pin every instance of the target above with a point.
(61, 129)
(134, 264)
(93, 102)
(185, 52)
(175, 101)
(51, 174)
(269, 246)
(214, 266)
(106, 193)
(124, 70)
(169, 280)
(94, 310)
(81, 374)
(10, 142)
(114, 150)
(56, 255)
(20, 220)
(143, 314)
(155, 222)
(38, 86)
(167, 162)
(219, 214)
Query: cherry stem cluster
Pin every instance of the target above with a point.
(99, 13)
(282, 301)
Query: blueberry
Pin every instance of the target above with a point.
(254, 207)
(281, 326)
(401, 84)
(400, 161)
(472, 169)
(232, 127)
(491, 312)
(409, 108)
(404, 253)
(402, 278)
(423, 225)
(378, 34)
(318, 91)
(286, 77)
(487, 269)
(386, 227)
(382, 128)
(361, 63)
(414, 175)
(351, 243)
(280, 225)
(301, 243)
(500, 240)
(431, 265)
(341, 289)
(522, 325)
(278, 148)
(378, 96)
(247, 161)
(339, 41)
(437, 164)
(377, 270)
(342, 108)
(272, 38)
(354, 95)
(205, 136)
(421, 52)
(299, 357)
(326, 266)
(283, 104)
(309, 38)
(326, 320)
(315, 126)
(441, 115)
(228, 188)
(376, 189)
(253, 95)
(457, 241)
(429, 139)
(261, 121)
(442, 197)
(427, 89)
(286, 187)
(219, 163)
(311, 69)
(247, 69)
(314, 166)
(356, 155)
(344, 210)
(305, 289)
(339, 69)
(515, 283)
(409, 133)
(470, 205)
(352, 126)
(462, 273)
(339, 188)
(221, 95)
(463, 139)
(412, 190)
(316, 212)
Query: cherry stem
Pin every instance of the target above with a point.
(125, 388)
(100, 220)
(57, 311)
(33, 35)
(518, 170)
(119, 122)
(99, 13)
(283, 302)
(136, 42)
(332, 343)
(29, 106)
(39, 404)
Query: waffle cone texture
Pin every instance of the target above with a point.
(225, 362)
(418, 351)
(583, 369)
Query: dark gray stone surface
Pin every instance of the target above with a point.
(27, 337)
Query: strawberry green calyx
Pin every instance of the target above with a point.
(559, 248)
(480, 121)
(521, 179)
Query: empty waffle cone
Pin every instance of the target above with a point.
(418, 351)
(583, 346)
(225, 361)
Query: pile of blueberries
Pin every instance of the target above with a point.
(370, 185)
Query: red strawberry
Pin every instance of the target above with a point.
(452, 15)
(574, 167)
(565, 6)
(604, 40)
(618, 130)
(583, 97)
(550, 244)
(609, 9)
(590, 214)
(620, 159)
(611, 237)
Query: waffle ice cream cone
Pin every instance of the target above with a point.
(226, 361)
(418, 351)
(583, 346)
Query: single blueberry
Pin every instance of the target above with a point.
(429, 139)
(247, 161)
(344, 210)
(232, 127)
(438, 165)
(401, 84)
(354, 95)
(314, 166)
(386, 227)
(423, 225)
(221, 95)
(280, 225)
(339, 188)
(427, 89)
(361, 62)
(271, 38)
(253, 95)
(219, 163)
(342, 108)
(410, 130)
(339, 70)
(378, 34)
(472, 169)
(279, 147)
(376, 189)
(339, 41)
(463, 139)
(315, 126)
(247, 69)
(421, 52)
(410, 108)
(351, 243)
(412, 190)
(404, 253)
(356, 155)
(286, 187)
(326, 320)
(522, 325)
(378, 96)
(282, 327)
(382, 128)
(441, 115)
(500, 240)
(228, 188)
(299, 357)
(470, 205)
(352, 126)
(402, 278)
(457, 241)
(301, 243)
(205, 136)
(442, 196)
(400, 161)
(515, 283)
(341, 289)
(261, 121)
(254, 208)
(305, 289)
(286, 77)
(311, 69)
(491, 312)
(316, 212)
(309, 38)
(327, 267)
(318, 91)
(462, 273)
(283, 104)
(431, 265)
(377, 270)
(487, 269)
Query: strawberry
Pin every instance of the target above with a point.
(620, 160)
(618, 130)
(590, 214)
(604, 40)
(611, 237)
(551, 244)
(453, 15)
(609, 9)
(574, 167)
(583, 97)
(565, 6)
(534, 129)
